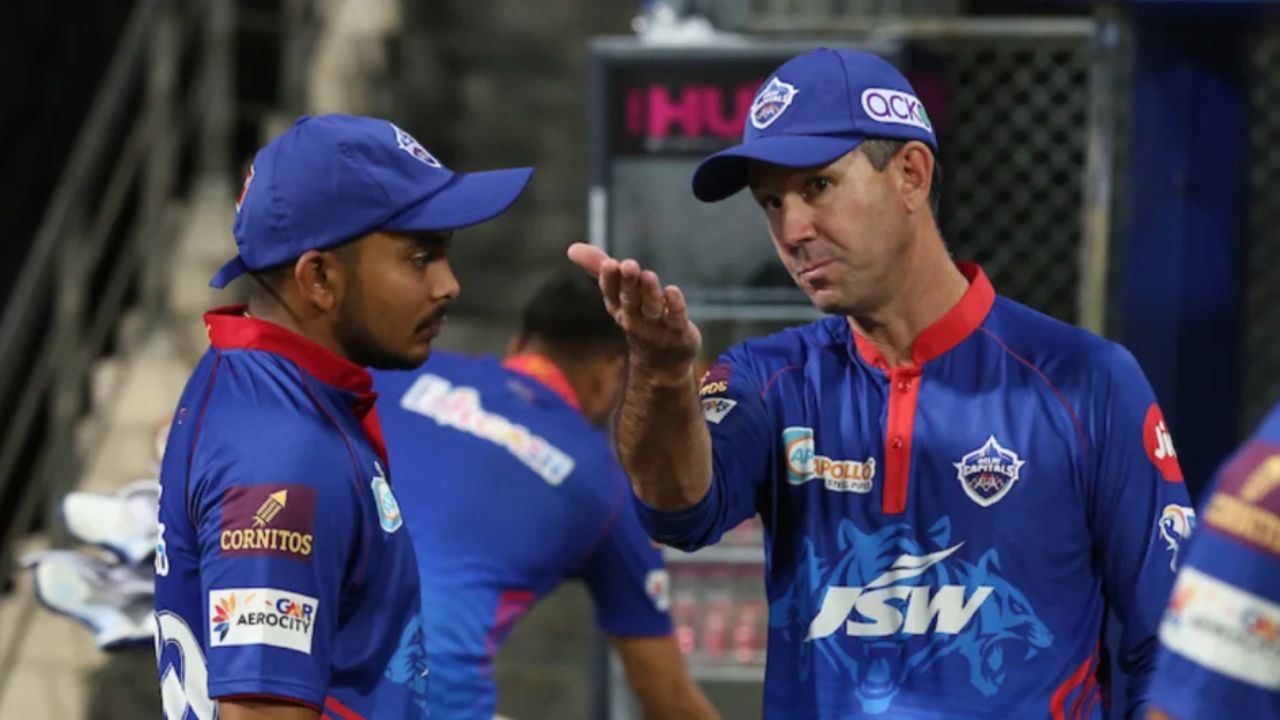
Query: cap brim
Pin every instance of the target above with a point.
(468, 199)
(725, 173)
(233, 269)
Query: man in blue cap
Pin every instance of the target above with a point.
(286, 585)
(955, 488)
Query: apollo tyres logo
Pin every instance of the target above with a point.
(804, 464)
(276, 519)
(894, 106)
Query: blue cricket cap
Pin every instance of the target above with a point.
(815, 108)
(333, 178)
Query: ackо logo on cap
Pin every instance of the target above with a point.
(407, 143)
(894, 106)
(772, 101)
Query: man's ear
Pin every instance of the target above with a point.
(915, 168)
(320, 278)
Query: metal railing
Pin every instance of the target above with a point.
(103, 245)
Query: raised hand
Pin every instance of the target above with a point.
(655, 319)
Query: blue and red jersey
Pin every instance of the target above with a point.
(283, 569)
(508, 491)
(1220, 639)
(944, 539)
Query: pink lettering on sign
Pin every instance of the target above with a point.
(682, 109)
(691, 111)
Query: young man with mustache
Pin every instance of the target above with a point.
(286, 584)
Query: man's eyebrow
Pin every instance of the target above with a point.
(430, 239)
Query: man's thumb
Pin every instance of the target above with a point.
(587, 257)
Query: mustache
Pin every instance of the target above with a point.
(433, 318)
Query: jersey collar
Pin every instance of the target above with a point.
(948, 331)
(230, 329)
(542, 369)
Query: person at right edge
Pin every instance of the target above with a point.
(1220, 639)
(955, 488)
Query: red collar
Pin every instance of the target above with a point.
(230, 329)
(542, 369)
(957, 324)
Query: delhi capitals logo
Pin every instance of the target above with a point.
(407, 143)
(987, 474)
(772, 101)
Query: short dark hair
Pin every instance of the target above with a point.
(270, 281)
(567, 313)
(881, 150)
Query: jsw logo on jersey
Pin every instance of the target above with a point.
(881, 605)
(945, 609)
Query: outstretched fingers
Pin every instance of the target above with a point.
(652, 304)
(677, 309)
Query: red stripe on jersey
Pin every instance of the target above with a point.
(259, 697)
(335, 706)
(957, 324)
(1081, 687)
(904, 391)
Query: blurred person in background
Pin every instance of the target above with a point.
(285, 584)
(509, 487)
(1220, 639)
(955, 489)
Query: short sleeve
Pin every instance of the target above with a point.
(627, 577)
(276, 532)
